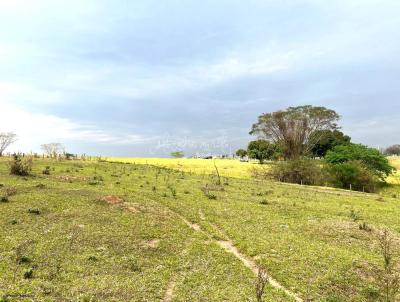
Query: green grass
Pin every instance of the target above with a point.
(226, 167)
(82, 249)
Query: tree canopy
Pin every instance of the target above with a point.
(53, 149)
(393, 150)
(292, 128)
(324, 140)
(262, 150)
(177, 154)
(371, 158)
(6, 139)
(241, 153)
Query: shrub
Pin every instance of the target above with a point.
(21, 167)
(46, 171)
(352, 173)
(371, 158)
(301, 171)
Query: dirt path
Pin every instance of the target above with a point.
(250, 263)
(229, 247)
(170, 291)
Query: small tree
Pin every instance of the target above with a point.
(241, 153)
(177, 154)
(392, 150)
(6, 139)
(389, 277)
(53, 149)
(262, 150)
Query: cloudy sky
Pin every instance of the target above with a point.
(143, 78)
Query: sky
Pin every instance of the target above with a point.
(144, 78)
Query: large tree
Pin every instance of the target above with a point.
(6, 139)
(291, 129)
(53, 149)
(324, 140)
(392, 150)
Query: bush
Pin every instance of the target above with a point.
(46, 171)
(371, 158)
(21, 167)
(352, 173)
(301, 171)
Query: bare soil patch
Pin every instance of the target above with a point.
(111, 199)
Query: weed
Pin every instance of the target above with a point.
(211, 196)
(261, 282)
(11, 191)
(264, 202)
(28, 274)
(4, 199)
(173, 192)
(133, 264)
(207, 193)
(93, 258)
(94, 182)
(34, 211)
(19, 253)
(24, 260)
(364, 227)
(46, 170)
(355, 215)
(389, 277)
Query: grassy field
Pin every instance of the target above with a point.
(101, 231)
(226, 167)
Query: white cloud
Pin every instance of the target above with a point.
(26, 94)
(34, 129)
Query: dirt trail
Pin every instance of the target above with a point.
(229, 247)
(250, 263)
(170, 291)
